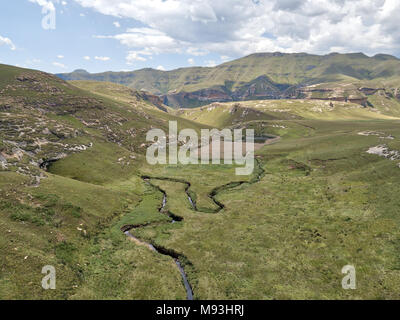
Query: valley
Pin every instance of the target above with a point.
(76, 191)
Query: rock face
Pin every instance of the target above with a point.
(3, 162)
(339, 93)
(153, 99)
(260, 88)
(196, 99)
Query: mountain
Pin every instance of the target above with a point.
(262, 76)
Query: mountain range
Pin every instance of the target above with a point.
(338, 77)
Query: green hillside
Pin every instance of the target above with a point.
(122, 94)
(69, 163)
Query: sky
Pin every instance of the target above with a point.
(124, 35)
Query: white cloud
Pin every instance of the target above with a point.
(197, 51)
(59, 65)
(48, 5)
(117, 24)
(203, 12)
(191, 61)
(7, 42)
(82, 14)
(147, 40)
(136, 56)
(60, 56)
(239, 27)
(161, 68)
(102, 58)
(64, 3)
(86, 58)
(211, 63)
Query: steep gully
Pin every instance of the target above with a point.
(180, 260)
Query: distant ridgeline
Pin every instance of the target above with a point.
(336, 77)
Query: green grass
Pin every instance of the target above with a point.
(322, 203)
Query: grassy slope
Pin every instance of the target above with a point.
(274, 111)
(71, 220)
(116, 92)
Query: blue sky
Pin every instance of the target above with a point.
(74, 40)
(103, 35)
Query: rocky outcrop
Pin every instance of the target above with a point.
(196, 99)
(339, 93)
(263, 88)
(370, 91)
(3, 162)
(46, 163)
(396, 93)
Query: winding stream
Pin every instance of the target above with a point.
(177, 257)
(174, 255)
